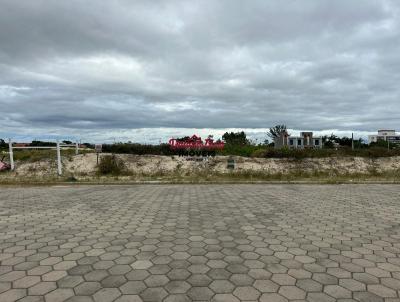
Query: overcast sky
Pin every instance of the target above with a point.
(102, 69)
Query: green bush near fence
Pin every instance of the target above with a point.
(111, 164)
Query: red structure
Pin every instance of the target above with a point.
(195, 143)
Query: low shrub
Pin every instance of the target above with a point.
(110, 164)
(373, 152)
(35, 155)
(71, 179)
(139, 149)
(240, 150)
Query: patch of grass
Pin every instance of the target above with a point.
(199, 178)
(35, 155)
(259, 176)
(111, 164)
(242, 150)
(373, 152)
(271, 152)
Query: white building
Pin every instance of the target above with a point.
(305, 140)
(385, 135)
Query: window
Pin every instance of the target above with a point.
(299, 142)
(316, 142)
(291, 142)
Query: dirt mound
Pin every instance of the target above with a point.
(85, 165)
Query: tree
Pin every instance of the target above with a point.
(383, 144)
(37, 143)
(333, 140)
(183, 139)
(235, 138)
(328, 142)
(276, 131)
(3, 144)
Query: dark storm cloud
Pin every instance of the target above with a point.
(109, 65)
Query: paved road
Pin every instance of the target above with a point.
(200, 243)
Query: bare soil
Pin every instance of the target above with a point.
(84, 166)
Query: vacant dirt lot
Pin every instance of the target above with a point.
(200, 243)
(84, 166)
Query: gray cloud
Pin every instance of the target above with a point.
(80, 67)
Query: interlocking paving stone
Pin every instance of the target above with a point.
(12, 295)
(221, 286)
(59, 295)
(272, 297)
(266, 286)
(177, 287)
(133, 287)
(292, 292)
(42, 288)
(129, 298)
(106, 295)
(337, 291)
(246, 293)
(173, 243)
(200, 293)
(87, 288)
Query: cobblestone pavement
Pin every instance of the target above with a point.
(267, 243)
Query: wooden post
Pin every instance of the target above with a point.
(10, 149)
(76, 148)
(352, 141)
(59, 168)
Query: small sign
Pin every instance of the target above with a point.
(231, 163)
(98, 148)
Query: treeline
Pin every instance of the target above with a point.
(139, 149)
(3, 144)
(237, 143)
(38, 143)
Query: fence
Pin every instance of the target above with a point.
(58, 148)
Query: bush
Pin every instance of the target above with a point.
(139, 149)
(373, 152)
(110, 164)
(34, 155)
(245, 150)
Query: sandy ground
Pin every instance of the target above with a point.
(85, 165)
(154, 164)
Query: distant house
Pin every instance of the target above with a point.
(385, 135)
(304, 141)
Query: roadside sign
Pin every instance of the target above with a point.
(98, 148)
(231, 163)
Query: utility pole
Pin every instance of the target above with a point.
(59, 168)
(10, 149)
